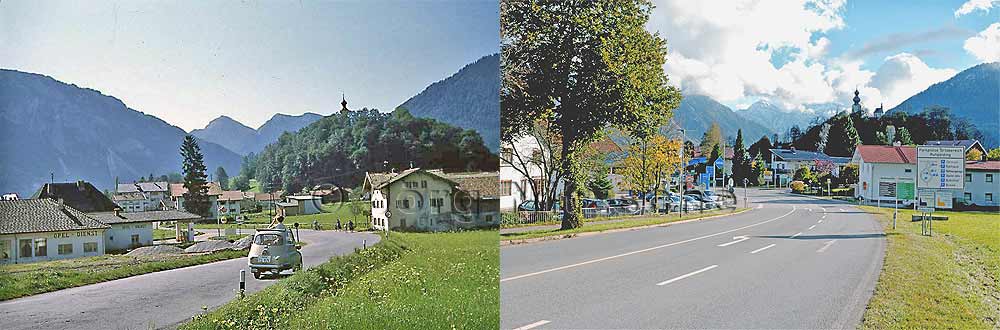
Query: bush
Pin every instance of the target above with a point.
(798, 186)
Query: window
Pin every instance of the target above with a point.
(989, 177)
(989, 197)
(420, 203)
(506, 154)
(135, 239)
(41, 248)
(968, 197)
(65, 249)
(908, 170)
(423, 184)
(968, 177)
(5, 252)
(505, 187)
(90, 247)
(25, 248)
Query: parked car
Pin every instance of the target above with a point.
(704, 202)
(595, 208)
(670, 203)
(274, 251)
(622, 206)
(529, 206)
(691, 203)
(703, 195)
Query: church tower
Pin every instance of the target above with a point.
(343, 104)
(856, 107)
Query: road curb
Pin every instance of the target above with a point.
(559, 237)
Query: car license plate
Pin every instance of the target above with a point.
(264, 259)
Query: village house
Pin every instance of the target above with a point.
(880, 168)
(331, 193)
(44, 229)
(267, 201)
(784, 163)
(142, 196)
(300, 205)
(516, 168)
(982, 184)
(230, 203)
(431, 200)
(967, 144)
(177, 192)
(129, 230)
(79, 195)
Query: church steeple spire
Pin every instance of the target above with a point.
(343, 103)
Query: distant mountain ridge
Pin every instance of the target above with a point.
(469, 99)
(780, 120)
(79, 133)
(973, 94)
(697, 112)
(243, 140)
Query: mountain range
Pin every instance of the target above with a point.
(697, 112)
(469, 99)
(973, 94)
(243, 140)
(64, 132)
(779, 120)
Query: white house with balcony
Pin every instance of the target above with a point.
(517, 168)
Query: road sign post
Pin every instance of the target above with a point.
(940, 169)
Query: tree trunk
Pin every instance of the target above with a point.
(571, 210)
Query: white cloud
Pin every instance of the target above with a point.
(973, 5)
(903, 75)
(986, 45)
(723, 48)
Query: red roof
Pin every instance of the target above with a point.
(887, 154)
(990, 165)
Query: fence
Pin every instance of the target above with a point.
(510, 219)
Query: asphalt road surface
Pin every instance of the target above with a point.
(790, 262)
(162, 299)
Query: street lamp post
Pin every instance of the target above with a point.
(828, 191)
(746, 199)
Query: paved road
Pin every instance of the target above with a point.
(790, 262)
(159, 300)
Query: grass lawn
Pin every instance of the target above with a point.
(408, 281)
(160, 234)
(19, 280)
(950, 280)
(632, 222)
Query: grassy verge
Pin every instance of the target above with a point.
(408, 281)
(20, 280)
(161, 234)
(950, 280)
(597, 227)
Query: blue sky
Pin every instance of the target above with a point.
(799, 53)
(188, 62)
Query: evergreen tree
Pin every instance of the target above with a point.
(196, 197)
(824, 137)
(881, 138)
(222, 177)
(741, 161)
(904, 136)
(757, 169)
(712, 137)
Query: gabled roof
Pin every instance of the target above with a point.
(147, 216)
(267, 196)
(886, 154)
(43, 215)
(80, 195)
(160, 186)
(129, 196)
(955, 143)
(989, 166)
(798, 155)
(485, 184)
(178, 190)
(380, 180)
(231, 195)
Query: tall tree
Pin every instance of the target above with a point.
(904, 136)
(222, 177)
(824, 137)
(741, 160)
(582, 66)
(196, 197)
(711, 138)
(762, 147)
(650, 159)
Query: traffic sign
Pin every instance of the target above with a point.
(940, 167)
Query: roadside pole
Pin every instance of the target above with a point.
(895, 209)
(243, 282)
(746, 199)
